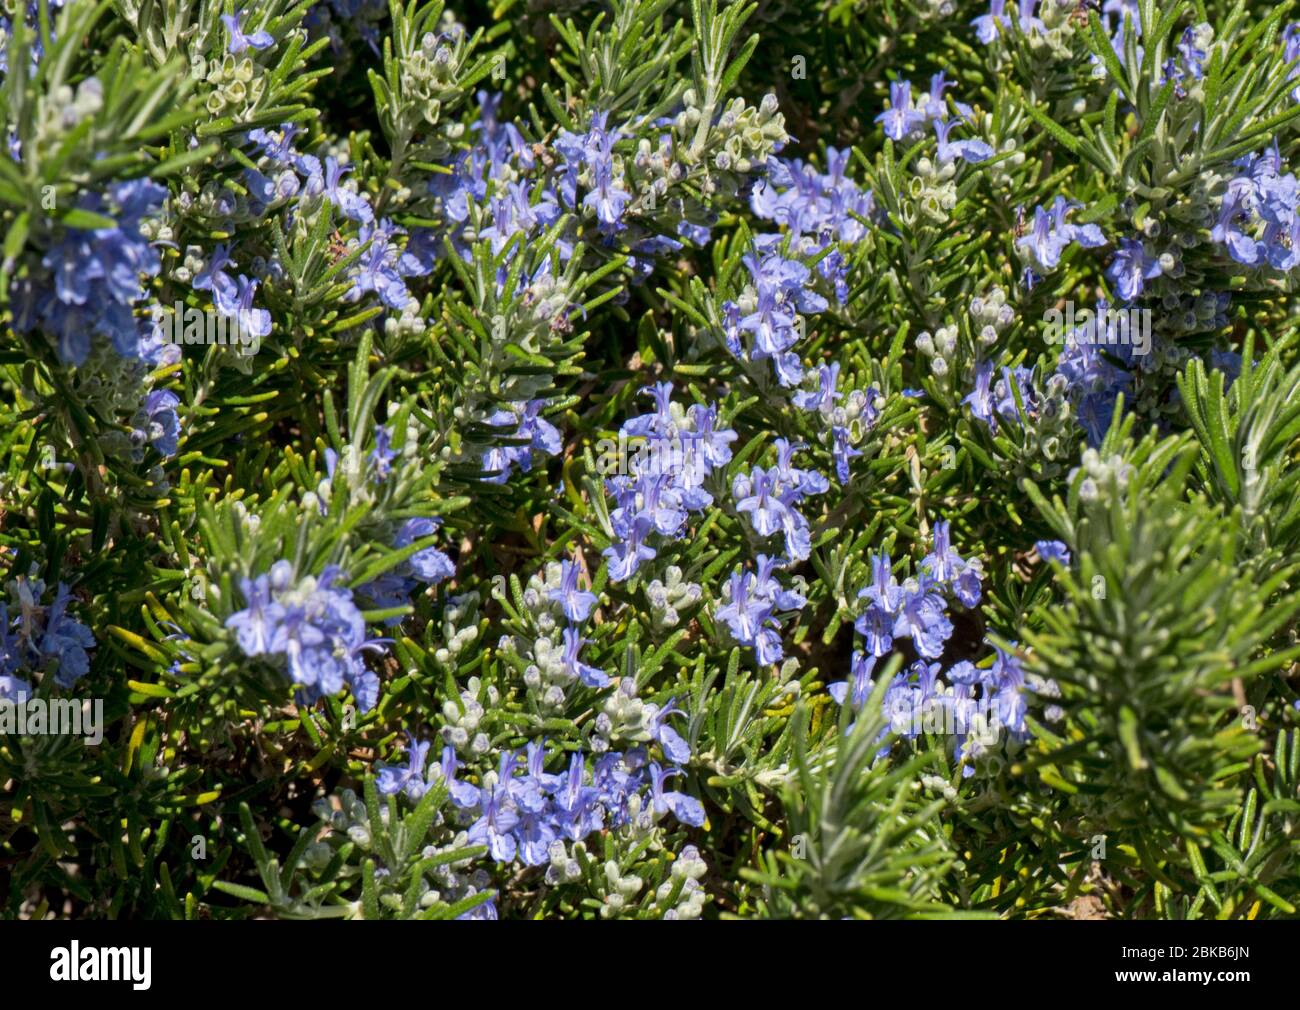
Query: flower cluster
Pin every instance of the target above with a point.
(40, 638)
(764, 322)
(94, 277)
(313, 627)
(916, 607)
(520, 810)
(1258, 223)
(550, 651)
(685, 447)
(755, 603)
(847, 423)
(768, 499)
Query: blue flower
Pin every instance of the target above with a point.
(255, 625)
(593, 153)
(901, 119)
(349, 204)
(277, 147)
(94, 278)
(675, 748)
(626, 554)
(780, 292)
(972, 151)
(213, 278)
(574, 602)
(768, 498)
(666, 485)
(238, 40)
(1008, 678)
(987, 25)
(1016, 384)
(160, 426)
(824, 396)
(462, 793)
(685, 808)
(531, 429)
(589, 675)
(1051, 233)
(946, 567)
(251, 320)
(12, 689)
(316, 628)
(65, 641)
(748, 616)
(921, 617)
(498, 817)
(857, 689)
(391, 779)
(382, 266)
(1131, 267)
(1053, 550)
(980, 399)
(428, 565)
(1094, 381)
(578, 812)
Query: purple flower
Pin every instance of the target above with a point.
(1131, 267)
(66, 640)
(675, 748)
(255, 624)
(769, 498)
(12, 689)
(749, 617)
(900, 119)
(625, 555)
(666, 484)
(946, 567)
(349, 204)
(921, 617)
(161, 427)
(859, 685)
(213, 277)
(1051, 233)
(392, 779)
(986, 25)
(577, 806)
(95, 275)
(1053, 550)
(685, 808)
(980, 399)
(574, 602)
(824, 396)
(531, 428)
(316, 628)
(972, 151)
(250, 320)
(238, 40)
(497, 819)
(589, 675)
(428, 565)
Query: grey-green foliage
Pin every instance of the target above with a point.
(369, 859)
(864, 841)
(1165, 627)
(1250, 438)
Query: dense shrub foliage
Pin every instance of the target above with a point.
(649, 459)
